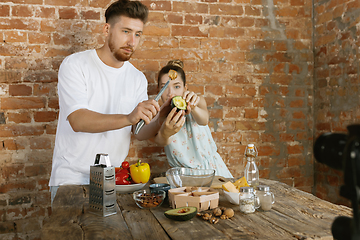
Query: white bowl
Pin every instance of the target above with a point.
(129, 188)
(232, 197)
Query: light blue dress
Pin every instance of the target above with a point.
(194, 147)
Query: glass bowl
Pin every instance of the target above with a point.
(189, 177)
(149, 198)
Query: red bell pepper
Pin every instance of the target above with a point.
(122, 178)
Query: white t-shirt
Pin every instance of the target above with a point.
(84, 81)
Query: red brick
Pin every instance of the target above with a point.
(39, 38)
(15, 36)
(12, 171)
(252, 11)
(289, 172)
(297, 125)
(247, 125)
(233, 137)
(264, 173)
(53, 103)
(197, 8)
(286, 137)
(19, 117)
(11, 144)
(297, 103)
(157, 30)
(22, 11)
(22, 103)
(232, 90)
(90, 14)
(66, 2)
(234, 102)
(187, 31)
(175, 18)
(45, 12)
(251, 113)
(192, 19)
(299, 115)
(45, 116)
(16, 186)
(225, 9)
(295, 149)
(41, 76)
(36, 170)
(21, 24)
(4, 10)
(20, 130)
(250, 137)
(223, 32)
(20, 90)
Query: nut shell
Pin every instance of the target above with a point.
(229, 212)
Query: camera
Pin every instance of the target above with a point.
(342, 152)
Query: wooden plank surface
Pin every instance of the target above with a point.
(141, 222)
(72, 220)
(295, 215)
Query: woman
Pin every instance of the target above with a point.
(184, 134)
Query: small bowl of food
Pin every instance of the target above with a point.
(149, 198)
(189, 177)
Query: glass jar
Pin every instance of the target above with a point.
(267, 198)
(248, 201)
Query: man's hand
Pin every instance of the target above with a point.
(145, 110)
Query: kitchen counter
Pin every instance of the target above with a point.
(295, 215)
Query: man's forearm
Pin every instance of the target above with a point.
(84, 120)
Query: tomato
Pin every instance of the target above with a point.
(125, 164)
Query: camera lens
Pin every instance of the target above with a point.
(328, 149)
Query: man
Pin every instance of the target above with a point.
(102, 97)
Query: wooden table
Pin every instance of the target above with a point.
(295, 215)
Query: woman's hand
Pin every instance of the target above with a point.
(192, 101)
(173, 123)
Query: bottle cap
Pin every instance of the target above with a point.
(251, 145)
(247, 189)
(263, 188)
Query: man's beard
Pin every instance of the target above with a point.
(118, 54)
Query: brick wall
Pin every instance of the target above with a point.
(336, 80)
(251, 59)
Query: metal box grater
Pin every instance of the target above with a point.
(102, 199)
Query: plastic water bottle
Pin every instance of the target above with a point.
(251, 171)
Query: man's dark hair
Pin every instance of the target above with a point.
(131, 9)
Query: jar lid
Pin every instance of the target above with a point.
(247, 189)
(263, 188)
(251, 145)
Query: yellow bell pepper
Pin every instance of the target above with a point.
(140, 172)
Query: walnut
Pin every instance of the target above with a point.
(224, 217)
(214, 220)
(207, 216)
(217, 212)
(229, 213)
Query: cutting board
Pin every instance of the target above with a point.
(217, 182)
